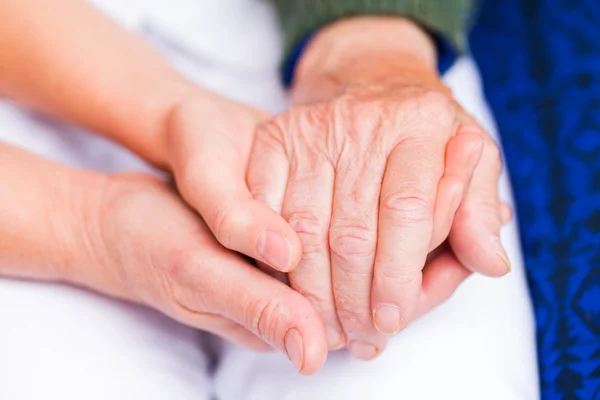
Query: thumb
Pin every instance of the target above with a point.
(213, 182)
(225, 284)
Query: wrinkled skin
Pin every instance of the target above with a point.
(371, 180)
(372, 169)
(325, 166)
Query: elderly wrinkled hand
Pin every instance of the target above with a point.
(362, 178)
(372, 174)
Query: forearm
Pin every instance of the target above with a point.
(365, 50)
(42, 210)
(65, 58)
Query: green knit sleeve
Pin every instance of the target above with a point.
(448, 18)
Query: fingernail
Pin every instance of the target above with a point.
(387, 319)
(501, 253)
(293, 348)
(335, 339)
(275, 250)
(363, 350)
(457, 198)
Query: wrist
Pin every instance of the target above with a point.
(45, 233)
(365, 50)
(82, 191)
(99, 229)
(42, 216)
(147, 134)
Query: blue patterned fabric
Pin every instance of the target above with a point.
(540, 62)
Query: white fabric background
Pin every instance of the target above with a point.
(57, 342)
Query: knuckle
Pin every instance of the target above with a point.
(186, 268)
(399, 276)
(489, 205)
(435, 104)
(265, 318)
(311, 230)
(270, 132)
(321, 300)
(224, 224)
(351, 241)
(491, 208)
(355, 321)
(183, 276)
(311, 285)
(407, 206)
(361, 114)
(486, 210)
(178, 268)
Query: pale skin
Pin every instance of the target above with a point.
(107, 233)
(110, 82)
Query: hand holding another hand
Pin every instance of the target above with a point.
(373, 168)
(145, 245)
(367, 169)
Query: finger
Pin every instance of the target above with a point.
(306, 204)
(408, 195)
(441, 277)
(215, 185)
(232, 288)
(450, 193)
(267, 179)
(353, 241)
(226, 329)
(241, 336)
(463, 153)
(192, 275)
(475, 235)
(307, 208)
(268, 170)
